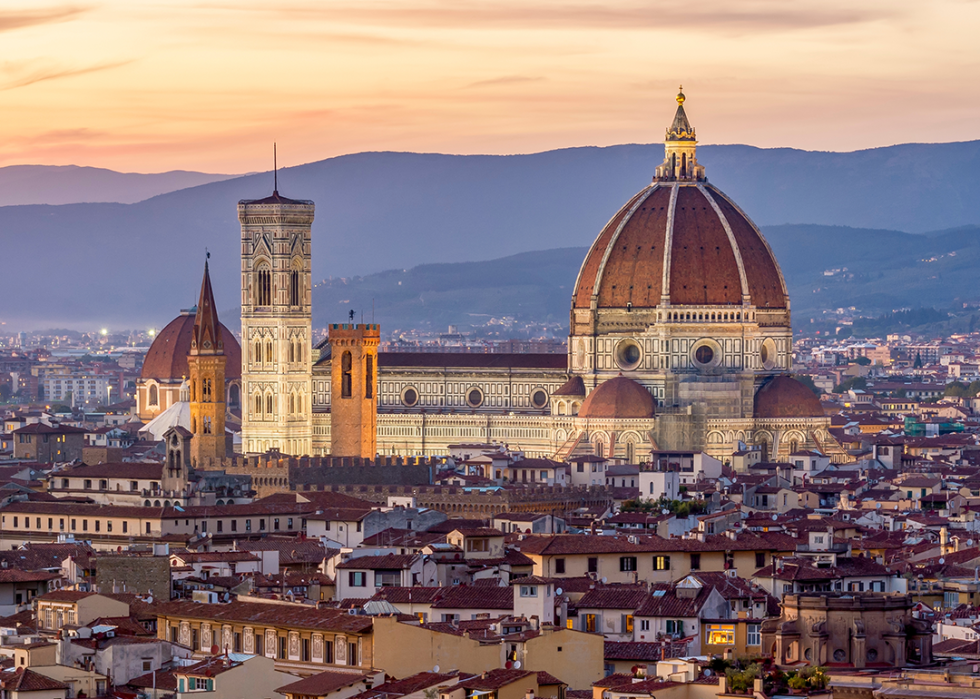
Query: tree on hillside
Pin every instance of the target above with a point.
(918, 361)
(857, 383)
(862, 361)
(807, 381)
(955, 389)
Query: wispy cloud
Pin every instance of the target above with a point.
(709, 15)
(503, 80)
(43, 74)
(17, 19)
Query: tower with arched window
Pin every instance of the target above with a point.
(206, 361)
(354, 383)
(276, 325)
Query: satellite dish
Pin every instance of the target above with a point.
(707, 673)
(215, 650)
(149, 599)
(775, 517)
(558, 591)
(878, 506)
(665, 511)
(604, 581)
(517, 664)
(942, 561)
(435, 669)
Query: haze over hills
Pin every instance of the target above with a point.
(135, 265)
(893, 270)
(71, 184)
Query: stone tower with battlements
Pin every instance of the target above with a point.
(276, 325)
(206, 363)
(354, 383)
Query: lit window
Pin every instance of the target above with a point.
(721, 634)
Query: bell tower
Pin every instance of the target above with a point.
(206, 363)
(353, 390)
(276, 325)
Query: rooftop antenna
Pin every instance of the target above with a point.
(275, 170)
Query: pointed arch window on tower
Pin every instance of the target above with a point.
(258, 405)
(268, 406)
(206, 390)
(346, 378)
(263, 286)
(294, 288)
(154, 398)
(292, 350)
(292, 403)
(257, 353)
(268, 351)
(207, 425)
(369, 376)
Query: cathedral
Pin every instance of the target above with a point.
(679, 339)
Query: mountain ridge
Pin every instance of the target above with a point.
(137, 263)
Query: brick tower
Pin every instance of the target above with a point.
(206, 363)
(276, 325)
(353, 390)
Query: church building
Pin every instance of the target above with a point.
(679, 339)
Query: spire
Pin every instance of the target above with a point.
(681, 129)
(680, 146)
(207, 333)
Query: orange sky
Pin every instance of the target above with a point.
(154, 85)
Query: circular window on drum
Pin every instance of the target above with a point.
(628, 355)
(768, 354)
(474, 397)
(706, 354)
(410, 397)
(539, 398)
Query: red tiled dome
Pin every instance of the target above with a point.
(619, 398)
(783, 397)
(167, 358)
(709, 238)
(573, 387)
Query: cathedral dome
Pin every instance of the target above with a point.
(680, 241)
(167, 357)
(785, 397)
(619, 397)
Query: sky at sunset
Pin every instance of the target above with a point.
(149, 86)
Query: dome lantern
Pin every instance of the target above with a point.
(680, 146)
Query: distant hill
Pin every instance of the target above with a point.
(136, 264)
(886, 270)
(71, 184)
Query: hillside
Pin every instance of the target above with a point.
(136, 264)
(70, 184)
(900, 270)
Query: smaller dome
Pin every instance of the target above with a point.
(573, 387)
(619, 398)
(166, 359)
(783, 397)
